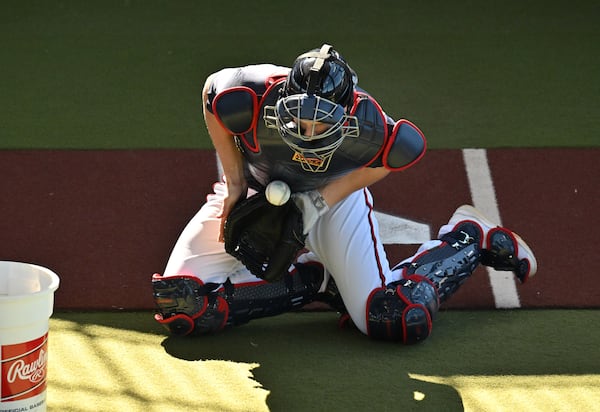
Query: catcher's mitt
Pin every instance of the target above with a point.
(265, 238)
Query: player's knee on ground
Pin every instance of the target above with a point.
(403, 311)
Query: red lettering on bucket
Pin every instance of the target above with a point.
(23, 369)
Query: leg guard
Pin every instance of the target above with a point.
(501, 248)
(403, 311)
(187, 306)
(451, 263)
(502, 253)
(263, 299)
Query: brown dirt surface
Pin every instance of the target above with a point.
(105, 221)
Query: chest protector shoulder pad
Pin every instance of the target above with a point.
(235, 109)
(383, 141)
(405, 147)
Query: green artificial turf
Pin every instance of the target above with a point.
(128, 74)
(517, 360)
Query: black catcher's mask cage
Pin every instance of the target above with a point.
(318, 89)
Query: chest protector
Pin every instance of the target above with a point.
(381, 141)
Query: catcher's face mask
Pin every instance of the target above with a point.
(312, 126)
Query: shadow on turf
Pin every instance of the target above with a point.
(307, 363)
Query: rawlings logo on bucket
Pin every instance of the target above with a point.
(24, 369)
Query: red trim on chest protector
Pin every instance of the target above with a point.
(255, 147)
(233, 90)
(252, 144)
(390, 143)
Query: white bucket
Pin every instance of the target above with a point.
(26, 304)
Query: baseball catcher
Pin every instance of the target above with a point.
(311, 126)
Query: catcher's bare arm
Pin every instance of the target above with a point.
(230, 157)
(339, 189)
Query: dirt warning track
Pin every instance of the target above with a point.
(105, 221)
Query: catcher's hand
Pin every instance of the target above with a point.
(265, 238)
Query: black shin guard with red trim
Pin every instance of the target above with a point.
(187, 306)
(451, 263)
(264, 299)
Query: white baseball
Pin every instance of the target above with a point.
(278, 192)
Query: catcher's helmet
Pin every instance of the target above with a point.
(318, 89)
(322, 72)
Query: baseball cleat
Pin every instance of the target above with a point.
(501, 248)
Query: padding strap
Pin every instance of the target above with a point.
(502, 253)
(315, 71)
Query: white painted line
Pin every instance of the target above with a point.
(484, 199)
(394, 230)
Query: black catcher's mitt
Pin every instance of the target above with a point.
(265, 238)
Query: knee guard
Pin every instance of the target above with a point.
(188, 306)
(402, 311)
(448, 265)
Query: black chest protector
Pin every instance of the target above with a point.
(381, 141)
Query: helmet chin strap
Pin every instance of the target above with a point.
(315, 71)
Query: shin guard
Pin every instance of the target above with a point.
(262, 299)
(450, 264)
(188, 306)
